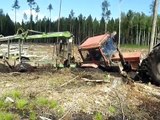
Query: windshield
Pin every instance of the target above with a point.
(109, 48)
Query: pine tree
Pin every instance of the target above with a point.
(50, 8)
(106, 12)
(31, 4)
(16, 7)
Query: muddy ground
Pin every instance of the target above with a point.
(85, 95)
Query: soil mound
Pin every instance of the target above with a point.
(4, 68)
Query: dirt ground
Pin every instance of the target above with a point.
(116, 99)
(86, 95)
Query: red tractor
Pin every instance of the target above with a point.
(101, 52)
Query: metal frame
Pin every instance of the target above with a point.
(22, 35)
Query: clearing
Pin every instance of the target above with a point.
(69, 94)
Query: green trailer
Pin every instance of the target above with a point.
(63, 42)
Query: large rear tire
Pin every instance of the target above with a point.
(149, 70)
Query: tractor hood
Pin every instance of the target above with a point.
(94, 42)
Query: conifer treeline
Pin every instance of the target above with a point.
(135, 27)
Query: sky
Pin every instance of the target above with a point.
(84, 7)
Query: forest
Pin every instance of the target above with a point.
(135, 26)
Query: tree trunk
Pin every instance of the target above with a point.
(1, 26)
(148, 39)
(15, 21)
(154, 20)
(137, 35)
(106, 26)
(31, 18)
(155, 38)
(50, 21)
(144, 37)
(79, 32)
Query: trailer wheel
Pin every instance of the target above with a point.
(149, 70)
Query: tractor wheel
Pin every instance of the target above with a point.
(149, 70)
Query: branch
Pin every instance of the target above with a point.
(69, 81)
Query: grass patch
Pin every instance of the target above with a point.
(41, 101)
(7, 116)
(111, 109)
(60, 111)
(15, 94)
(2, 104)
(53, 104)
(98, 116)
(32, 116)
(21, 103)
(23, 107)
(133, 46)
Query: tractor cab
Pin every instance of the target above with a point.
(101, 52)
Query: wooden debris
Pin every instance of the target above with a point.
(66, 83)
(8, 99)
(97, 81)
(44, 118)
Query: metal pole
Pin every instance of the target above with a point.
(19, 41)
(8, 55)
(57, 45)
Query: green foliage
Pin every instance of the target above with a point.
(16, 5)
(21, 103)
(133, 46)
(2, 103)
(111, 109)
(107, 78)
(42, 101)
(32, 116)
(98, 116)
(15, 94)
(105, 9)
(6, 116)
(50, 7)
(53, 104)
(60, 110)
(21, 106)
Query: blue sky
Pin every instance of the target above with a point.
(86, 7)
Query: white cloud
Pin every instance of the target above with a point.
(20, 15)
(28, 12)
(40, 16)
